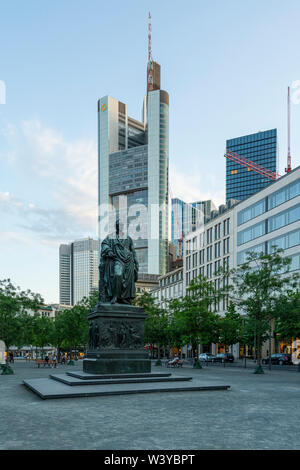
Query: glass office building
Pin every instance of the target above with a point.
(78, 270)
(133, 165)
(185, 218)
(261, 148)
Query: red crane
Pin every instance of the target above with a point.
(289, 159)
(250, 165)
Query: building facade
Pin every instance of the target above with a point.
(260, 148)
(268, 219)
(185, 218)
(211, 247)
(170, 286)
(78, 270)
(133, 165)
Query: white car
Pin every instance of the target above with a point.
(207, 357)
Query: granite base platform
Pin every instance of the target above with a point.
(71, 385)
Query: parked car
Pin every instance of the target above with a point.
(279, 358)
(224, 357)
(207, 357)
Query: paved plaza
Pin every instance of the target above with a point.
(258, 412)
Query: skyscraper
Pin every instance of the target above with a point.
(187, 217)
(133, 162)
(261, 148)
(78, 270)
(65, 277)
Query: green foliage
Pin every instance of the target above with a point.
(192, 317)
(288, 316)
(156, 323)
(231, 329)
(43, 329)
(258, 286)
(14, 304)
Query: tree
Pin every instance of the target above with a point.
(231, 327)
(287, 324)
(177, 335)
(156, 323)
(43, 329)
(75, 327)
(257, 287)
(13, 303)
(199, 322)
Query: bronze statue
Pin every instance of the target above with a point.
(118, 268)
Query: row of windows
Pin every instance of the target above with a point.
(285, 241)
(212, 233)
(192, 260)
(252, 137)
(210, 270)
(171, 279)
(279, 197)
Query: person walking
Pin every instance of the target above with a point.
(47, 361)
(54, 360)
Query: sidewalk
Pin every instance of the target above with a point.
(258, 412)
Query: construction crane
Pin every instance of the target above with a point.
(259, 168)
(289, 159)
(250, 165)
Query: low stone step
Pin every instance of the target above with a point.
(47, 388)
(88, 376)
(69, 380)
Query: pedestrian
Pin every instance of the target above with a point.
(54, 360)
(11, 357)
(47, 361)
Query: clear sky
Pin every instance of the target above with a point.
(225, 63)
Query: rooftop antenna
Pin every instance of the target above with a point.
(289, 159)
(150, 60)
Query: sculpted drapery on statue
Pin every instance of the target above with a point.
(118, 268)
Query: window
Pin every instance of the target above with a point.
(195, 259)
(226, 263)
(226, 246)
(284, 218)
(250, 233)
(217, 266)
(209, 253)
(209, 236)
(284, 194)
(284, 241)
(243, 255)
(217, 231)
(226, 227)
(209, 270)
(217, 250)
(252, 211)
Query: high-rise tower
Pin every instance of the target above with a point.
(78, 270)
(133, 162)
(261, 149)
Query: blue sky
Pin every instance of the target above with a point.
(225, 63)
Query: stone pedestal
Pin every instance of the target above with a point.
(116, 340)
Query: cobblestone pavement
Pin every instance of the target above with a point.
(258, 412)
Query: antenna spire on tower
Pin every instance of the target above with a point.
(150, 60)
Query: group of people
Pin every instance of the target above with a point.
(51, 360)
